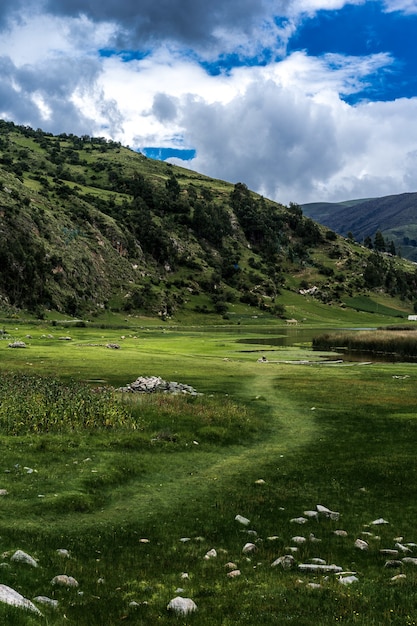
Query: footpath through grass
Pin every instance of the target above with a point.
(139, 508)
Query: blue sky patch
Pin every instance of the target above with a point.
(162, 154)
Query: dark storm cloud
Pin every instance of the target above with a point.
(191, 22)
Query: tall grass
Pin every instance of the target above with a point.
(389, 342)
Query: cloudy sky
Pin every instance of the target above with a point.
(302, 100)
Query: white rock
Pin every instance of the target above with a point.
(231, 565)
(361, 545)
(410, 560)
(398, 578)
(22, 557)
(379, 521)
(248, 548)
(3, 492)
(242, 520)
(234, 573)
(340, 533)
(64, 581)
(47, 601)
(299, 520)
(312, 514)
(389, 552)
(323, 510)
(14, 598)
(63, 552)
(211, 554)
(298, 539)
(316, 567)
(286, 562)
(182, 606)
(401, 547)
(313, 586)
(348, 580)
(318, 561)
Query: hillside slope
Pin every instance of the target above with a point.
(87, 225)
(394, 216)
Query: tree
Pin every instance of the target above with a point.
(379, 242)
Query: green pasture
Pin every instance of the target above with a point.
(140, 491)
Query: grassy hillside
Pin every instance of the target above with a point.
(88, 228)
(394, 216)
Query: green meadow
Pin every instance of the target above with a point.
(140, 489)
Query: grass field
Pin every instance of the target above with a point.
(141, 491)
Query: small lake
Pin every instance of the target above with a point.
(287, 337)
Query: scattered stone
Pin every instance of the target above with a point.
(340, 533)
(185, 576)
(242, 520)
(286, 562)
(410, 560)
(361, 545)
(379, 521)
(389, 552)
(392, 563)
(248, 548)
(113, 346)
(3, 492)
(182, 606)
(318, 561)
(17, 344)
(348, 580)
(299, 520)
(64, 581)
(323, 510)
(311, 514)
(298, 539)
(234, 573)
(313, 586)
(231, 565)
(22, 557)
(316, 567)
(398, 578)
(401, 547)
(47, 601)
(65, 338)
(63, 552)
(14, 598)
(211, 554)
(185, 539)
(260, 482)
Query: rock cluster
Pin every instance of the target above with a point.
(152, 384)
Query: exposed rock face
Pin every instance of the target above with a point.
(152, 384)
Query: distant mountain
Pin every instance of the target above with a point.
(88, 226)
(394, 216)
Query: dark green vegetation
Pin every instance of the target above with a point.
(123, 493)
(88, 227)
(395, 343)
(393, 217)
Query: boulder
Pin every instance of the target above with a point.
(22, 557)
(14, 598)
(182, 606)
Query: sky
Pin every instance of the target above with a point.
(301, 100)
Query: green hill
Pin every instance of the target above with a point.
(393, 216)
(87, 226)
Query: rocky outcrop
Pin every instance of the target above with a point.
(153, 384)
